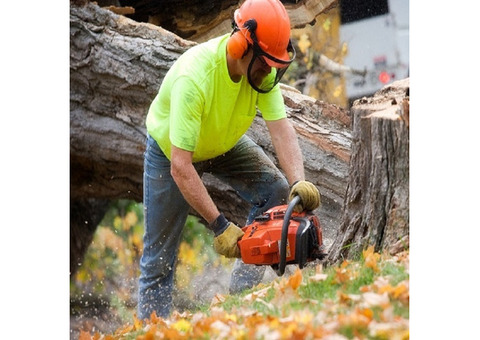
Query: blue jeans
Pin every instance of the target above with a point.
(246, 168)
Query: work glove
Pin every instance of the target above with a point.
(227, 235)
(309, 196)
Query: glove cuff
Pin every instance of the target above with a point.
(219, 225)
(293, 184)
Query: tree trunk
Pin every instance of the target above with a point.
(116, 67)
(376, 208)
(85, 215)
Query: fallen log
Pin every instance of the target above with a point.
(202, 20)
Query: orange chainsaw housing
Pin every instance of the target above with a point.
(260, 244)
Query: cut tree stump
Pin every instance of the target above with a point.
(376, 208)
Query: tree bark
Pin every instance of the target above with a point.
(116, 68)
(201, 20)
(85, 215)
(376, 208)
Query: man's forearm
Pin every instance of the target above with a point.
(285, 142)
(196, 194)
(192, 187)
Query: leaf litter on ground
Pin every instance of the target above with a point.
(364, 299)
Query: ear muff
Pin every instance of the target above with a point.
(237, 45)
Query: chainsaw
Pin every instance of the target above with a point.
(280, 237)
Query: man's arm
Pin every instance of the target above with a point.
(188, 181)
(288, 151)
(286, 146)
(191, 185)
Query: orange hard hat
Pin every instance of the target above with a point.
(271, 28)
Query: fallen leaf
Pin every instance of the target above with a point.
(318, 277)
(252, 321)
(258, 294)
(371, 258)
(303, 317)
(217, 300)
(84, 336)
(182, 325)
(400, 290)
(398, 330)
(348, 298)
(367, 312)
(295, 280)
(137, 324)
(334, 337)
(355, 319)
(341, 275)
(221, 328)
(231, 317)
(374, 299)
(265, 332)
(388, 314)
(369, 251)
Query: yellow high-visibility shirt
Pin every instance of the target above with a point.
(200, 109)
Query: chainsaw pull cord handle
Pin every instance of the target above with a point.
(283, 242)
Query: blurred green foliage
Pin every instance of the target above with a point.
(110, 269)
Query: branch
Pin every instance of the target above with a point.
(339, 69)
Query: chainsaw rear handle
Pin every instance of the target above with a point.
(283, 242)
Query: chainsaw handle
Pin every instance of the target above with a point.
(283, 242)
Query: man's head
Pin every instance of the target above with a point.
(262, 30)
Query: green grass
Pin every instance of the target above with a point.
(327, 290)
(320, 290)
(395, 272)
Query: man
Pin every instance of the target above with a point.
(196, 124)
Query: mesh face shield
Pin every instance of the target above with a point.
(264, 70)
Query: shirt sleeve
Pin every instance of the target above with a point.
(271, 104)
(186, 107)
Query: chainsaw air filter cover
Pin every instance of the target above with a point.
(261, 243)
